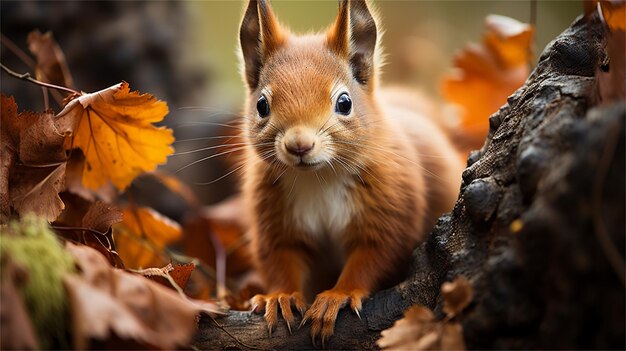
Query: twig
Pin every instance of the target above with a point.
(220, 265)
(27, 77)
(17, 51)
(56, 227)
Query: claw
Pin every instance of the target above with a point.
(289, 327)
(357, 313)
(303, 322)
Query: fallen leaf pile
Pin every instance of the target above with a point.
(72, 169)
(104, 300)
(486, 74)
(420, 330)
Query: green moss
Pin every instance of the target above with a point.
(31, 243)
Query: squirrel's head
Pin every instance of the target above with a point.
(310, 98)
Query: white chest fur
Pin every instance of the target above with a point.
(320, 207)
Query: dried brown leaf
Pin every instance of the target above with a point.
(105, 300)
(8, 150)
(89, 223)
(418, 321)
(456, 295)
(36, 190)
(40, 141)
(101, 216)
(33, 167)
(226, 222)
(16, 328)
(452, 337)
(51, 64)
(419, 330)
(181, 273)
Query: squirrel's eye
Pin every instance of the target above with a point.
(344, 104)
(263, 107)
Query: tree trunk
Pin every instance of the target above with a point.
(538, 228)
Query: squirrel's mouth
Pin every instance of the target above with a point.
(306, 166)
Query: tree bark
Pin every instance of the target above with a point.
(538, 228)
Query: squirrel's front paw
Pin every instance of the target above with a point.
(325, 308)
(271, 302)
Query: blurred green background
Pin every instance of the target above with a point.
(420, 36)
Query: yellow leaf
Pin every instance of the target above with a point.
(113, 128)
(487, 74)
(142, 237)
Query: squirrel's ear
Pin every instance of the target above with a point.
(260, 35)
(353, 36)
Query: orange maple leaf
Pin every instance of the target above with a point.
(114, 129)
(142, 237)
(487, 74)
(613, 12)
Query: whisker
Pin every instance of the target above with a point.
(206, 138)
(195, 124)
(210, 157)
(292, 186)
(280, 175)
(210, 148)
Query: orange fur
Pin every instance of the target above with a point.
(347, 215)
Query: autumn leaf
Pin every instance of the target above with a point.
(142, 237)
(175, 277)
(456, 295)
(114, 129)
(36, 190)
(487, 74)
(8, 150)
(613, 12)
(89, 223)
(51, 64)
(216, 235)
(33, 162)
(105, 300)
(419, 330)
(228, 222)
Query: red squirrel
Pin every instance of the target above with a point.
(342, 179)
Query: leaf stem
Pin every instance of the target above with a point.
(26, 76)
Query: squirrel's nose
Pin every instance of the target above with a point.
(299, 148)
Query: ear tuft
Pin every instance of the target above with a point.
(260, 35)
(353, 36)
